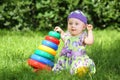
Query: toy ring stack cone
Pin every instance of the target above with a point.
(43, 57)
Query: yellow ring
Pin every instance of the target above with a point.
(47, 49)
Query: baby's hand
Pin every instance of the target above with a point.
(89, 27)
(58, 29)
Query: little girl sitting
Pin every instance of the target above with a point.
(73, 56)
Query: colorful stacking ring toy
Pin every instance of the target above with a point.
(50, 44)
(44, 54)
(54, 34)
(43, 57)
(52, 39)
(42, 60)
(38, 65)
(47, 49)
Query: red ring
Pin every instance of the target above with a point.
(52, 39)
(38, 65)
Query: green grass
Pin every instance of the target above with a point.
(16, 48)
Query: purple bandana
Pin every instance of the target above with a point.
(78, 15)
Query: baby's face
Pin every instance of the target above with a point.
(75, 26)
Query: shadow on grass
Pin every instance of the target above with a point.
(26, 73)
(22, 73)
(107, 61)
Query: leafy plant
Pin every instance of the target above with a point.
(46, 14)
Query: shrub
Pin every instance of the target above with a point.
(46, 14)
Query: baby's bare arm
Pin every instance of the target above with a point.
(57, 28)
(89, 39)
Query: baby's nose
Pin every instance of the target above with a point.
(73, 26)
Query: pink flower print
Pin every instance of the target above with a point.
(67, 43)
(80, 42)
(75, 44)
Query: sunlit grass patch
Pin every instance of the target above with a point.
(16, 48)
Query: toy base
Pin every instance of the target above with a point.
(37, 65)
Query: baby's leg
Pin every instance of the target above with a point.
(77, 66)
(81, 66)
(60, 65)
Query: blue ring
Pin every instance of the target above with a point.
(42, 60)
(50, 44)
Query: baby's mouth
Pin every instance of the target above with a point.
(73, 29)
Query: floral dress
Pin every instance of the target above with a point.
(73, 55)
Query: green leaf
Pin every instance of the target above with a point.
(7, 23)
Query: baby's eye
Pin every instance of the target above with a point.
(70, 23)
(76, 23)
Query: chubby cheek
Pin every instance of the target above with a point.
(68, 28)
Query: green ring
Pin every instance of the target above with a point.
(44, 54)
(54, 34)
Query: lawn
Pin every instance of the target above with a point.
(16, 48)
